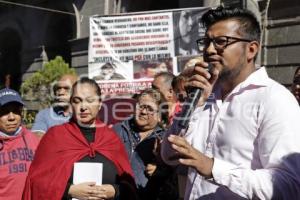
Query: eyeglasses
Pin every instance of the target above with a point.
(220, 42)
(148, 108)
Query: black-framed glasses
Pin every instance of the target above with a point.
(150, 110)
(220, 42)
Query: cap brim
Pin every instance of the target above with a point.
(16, 101)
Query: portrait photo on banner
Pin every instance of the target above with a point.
(149, 68)
(187, 30)
(111, 71)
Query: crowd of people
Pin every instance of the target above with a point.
(241, 141)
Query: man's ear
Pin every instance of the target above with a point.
(252, 51)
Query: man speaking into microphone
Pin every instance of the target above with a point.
(242, 139)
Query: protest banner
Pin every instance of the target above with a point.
(126, 51)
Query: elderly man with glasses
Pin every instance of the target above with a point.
(242, 141)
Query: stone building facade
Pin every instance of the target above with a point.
(27, 27)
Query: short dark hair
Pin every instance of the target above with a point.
(297, 76)
(297, 71)
(168, 77)
(91, 82)
(249, 25)
(108, 66)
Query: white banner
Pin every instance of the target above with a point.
(128, 50)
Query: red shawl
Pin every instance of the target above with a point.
(59, 149)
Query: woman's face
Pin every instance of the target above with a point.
(185, 26)
(85, 104)
(147, 113)
(10, 117)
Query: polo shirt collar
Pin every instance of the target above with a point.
(59, 112)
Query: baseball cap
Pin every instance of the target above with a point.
(8, 95)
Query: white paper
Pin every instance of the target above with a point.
(87, 172)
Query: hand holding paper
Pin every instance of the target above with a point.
(87, 172)
(85, 178)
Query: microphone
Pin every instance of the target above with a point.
(189, 105)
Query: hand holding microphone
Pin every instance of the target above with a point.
(200, 86)
(200, 79)
(177, 150)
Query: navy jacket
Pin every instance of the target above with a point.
(140, 153)
(162, 185)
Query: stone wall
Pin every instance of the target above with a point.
(282, 40)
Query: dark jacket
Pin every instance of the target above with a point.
(163, 182)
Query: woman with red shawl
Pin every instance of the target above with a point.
(83, 139)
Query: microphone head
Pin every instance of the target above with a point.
(193, 96)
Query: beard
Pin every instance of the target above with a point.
(230, 73)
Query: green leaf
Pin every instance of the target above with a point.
(50, 72)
